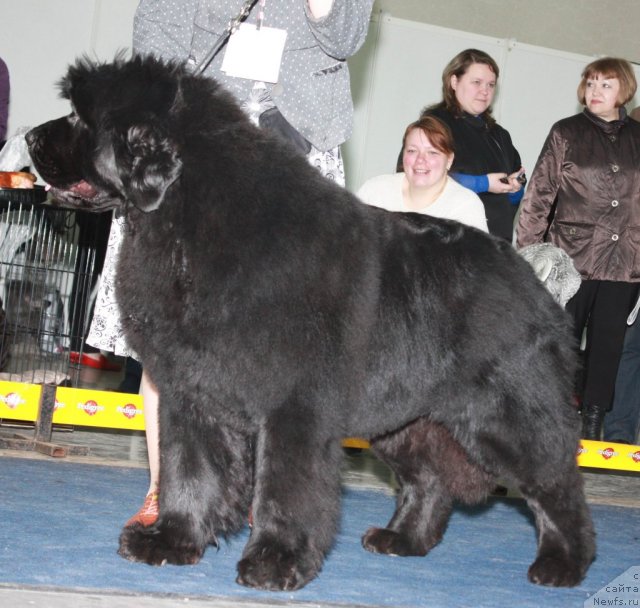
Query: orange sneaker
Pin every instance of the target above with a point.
(148, 513)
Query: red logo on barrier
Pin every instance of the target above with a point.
(607, 453)
(582, 450)
(636, 456)
(12, 400)
(129, 410)
(90, 407)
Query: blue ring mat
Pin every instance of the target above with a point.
(61, 521)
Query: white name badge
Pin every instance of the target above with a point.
(255, 54)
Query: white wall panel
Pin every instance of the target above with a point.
(40, 38)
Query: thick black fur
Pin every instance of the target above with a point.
(277, 315)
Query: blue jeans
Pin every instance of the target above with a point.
(623, 421)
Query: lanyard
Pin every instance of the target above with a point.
(261, 5)
(234, 24)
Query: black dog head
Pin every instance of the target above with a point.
(114, 147)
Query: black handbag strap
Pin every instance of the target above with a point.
(234, 24)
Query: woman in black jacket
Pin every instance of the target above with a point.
(485, 159)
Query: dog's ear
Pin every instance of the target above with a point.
(154, 164)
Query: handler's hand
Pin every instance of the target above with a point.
(499, 187)
(502, 183)
(517, 179)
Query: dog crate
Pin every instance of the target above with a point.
(47, 283)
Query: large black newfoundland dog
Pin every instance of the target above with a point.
(278, 315)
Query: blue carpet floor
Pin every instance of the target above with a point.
(59, 525)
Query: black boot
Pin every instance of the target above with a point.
(592, 418)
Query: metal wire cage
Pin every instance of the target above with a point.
(47, 281)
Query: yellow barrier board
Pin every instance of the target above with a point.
(73, 406)
(107, 409)
(595, 454)
(354, 442)
(606, 455)
(86, 407)
(19, 401)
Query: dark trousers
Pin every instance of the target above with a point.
(93, 236)
(500, 216)
(623, 421)
(602, 307)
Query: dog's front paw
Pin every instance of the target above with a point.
(153, 546)
(389, 542)
(555, 571)
(275, 568)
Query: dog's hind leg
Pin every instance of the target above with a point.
(536, 453)
(432, 469)
(566, 538)
(205, 491)
(296, 500)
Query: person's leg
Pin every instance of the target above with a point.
(132, 377)
(579, 307)
(621, 423)
(148, 513)
(152, 430)
(93, 236)
(605, 339)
